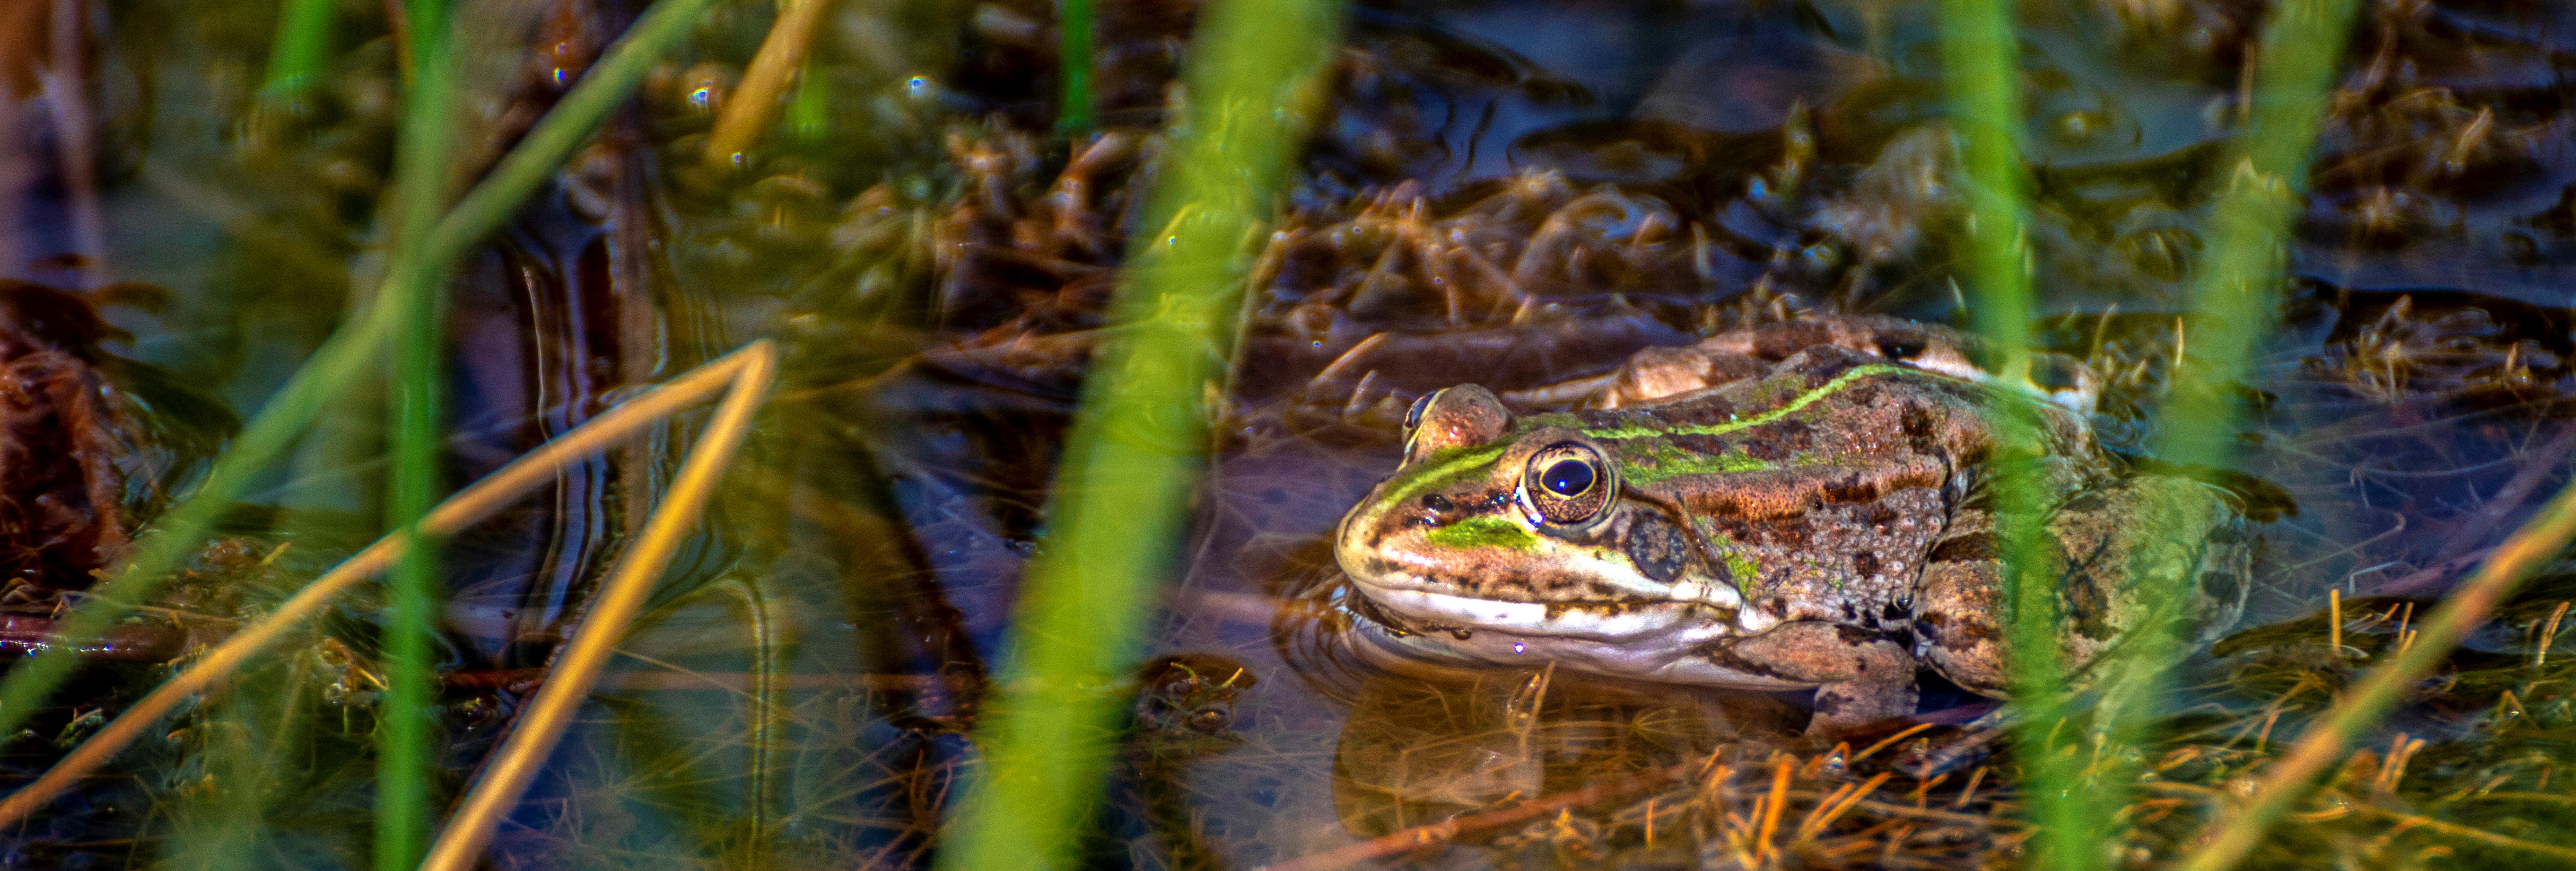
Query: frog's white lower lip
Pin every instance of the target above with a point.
(1637, 590)
(1674, 623)
(1664, 652)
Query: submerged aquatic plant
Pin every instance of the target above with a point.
(1981, 70)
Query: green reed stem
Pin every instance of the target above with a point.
(809, 107)
(2295, 70)
(1122, 495)
(413, 290)
(348, 354)
(2236, 294)
(1074, 23)
(2266, 182)
(303, 42)
(1982, 73)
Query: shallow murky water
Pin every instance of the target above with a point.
(1513, 194)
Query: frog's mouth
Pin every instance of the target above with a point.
(1684, 621)
(1656, 641)
(1541, 584)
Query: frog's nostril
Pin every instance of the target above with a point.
(1436, 502)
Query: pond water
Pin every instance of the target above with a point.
(1514, 194)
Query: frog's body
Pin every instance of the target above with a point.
(1762, 512)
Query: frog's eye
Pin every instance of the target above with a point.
(1567, 483)
(1413, 416)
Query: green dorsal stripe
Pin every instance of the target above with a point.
(1436, 470)
(1804, 399)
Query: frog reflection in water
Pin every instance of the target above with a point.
(1791, 507)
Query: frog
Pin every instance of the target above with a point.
(1792, 507)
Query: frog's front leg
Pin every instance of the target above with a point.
(1861, 676)
(2155, 553)
(1957, 604)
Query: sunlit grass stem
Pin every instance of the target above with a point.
(540, 726)
(348, 355)
(416, 283)
(1982, 74)
(1122, 494)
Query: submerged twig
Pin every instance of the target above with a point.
(2472, 833)
(1444, 832)
(19, 634)
(496, 491)
(2324, 743)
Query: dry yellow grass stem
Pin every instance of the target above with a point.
(2548, 636)
(2323, 743)
(1890, 740)
(467, 507)
(755, 101)
(1771, 809)
(2334, 626)
(630, 581)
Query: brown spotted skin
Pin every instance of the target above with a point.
(1800, 506)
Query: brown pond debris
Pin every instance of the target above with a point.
(61, 431)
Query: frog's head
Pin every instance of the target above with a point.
(1515, 536)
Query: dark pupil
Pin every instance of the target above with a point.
(1413, 416)
(1567, 478)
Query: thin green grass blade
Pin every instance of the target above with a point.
(1122, 495)
(403, 736)
(1074, 22)
(348, 354)
(2235, 296)
(1982, 74)
(303, 43)
(809, 107)
(2295, 66)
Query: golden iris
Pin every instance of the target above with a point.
(1567, 483)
